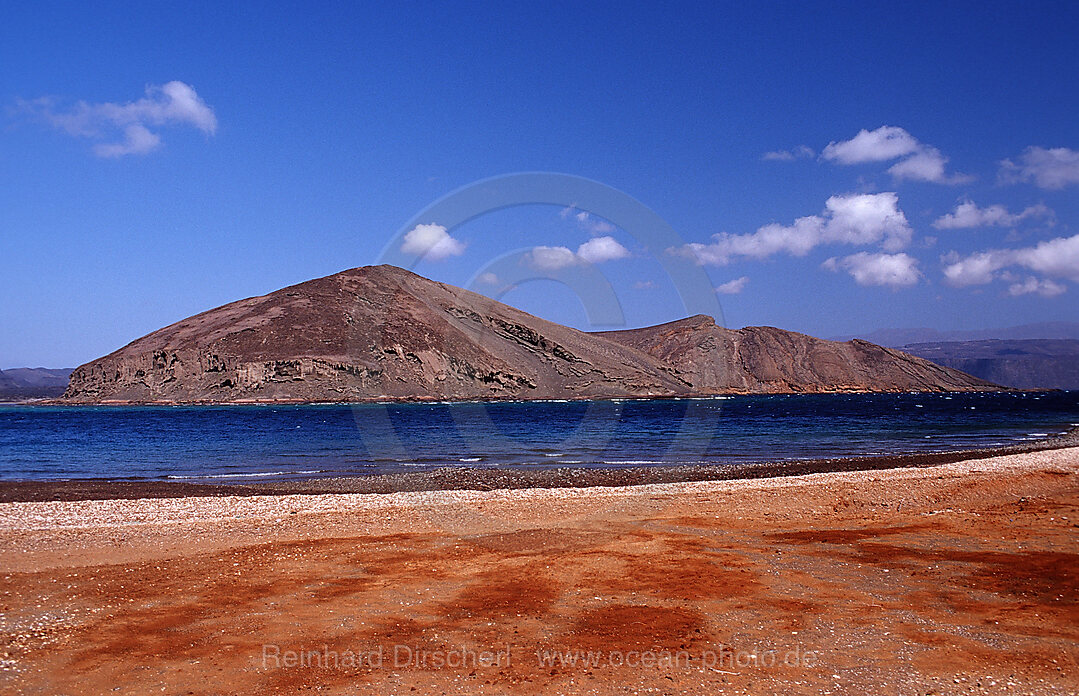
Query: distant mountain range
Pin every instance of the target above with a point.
(1023, 364)
(32, 383)
(897, 338)
(384, 333)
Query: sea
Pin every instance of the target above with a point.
(238, 444)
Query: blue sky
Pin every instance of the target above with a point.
(157, 160)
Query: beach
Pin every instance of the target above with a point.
(955, 577)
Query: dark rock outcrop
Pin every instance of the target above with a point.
(383, 333)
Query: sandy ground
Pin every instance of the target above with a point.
(962, 578)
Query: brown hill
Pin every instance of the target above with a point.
(764, 359)
(381, 332)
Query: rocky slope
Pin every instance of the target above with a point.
(764, 359)
(381, 332)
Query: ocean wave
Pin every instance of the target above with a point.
(470, 459)
(248, 475)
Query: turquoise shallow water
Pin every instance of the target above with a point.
(241, 443)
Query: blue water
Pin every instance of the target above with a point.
(245, 443)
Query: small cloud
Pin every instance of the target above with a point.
(644, 285)
(967, 214)
(488, 279)
(548, 258)
(174, 103)
(921, 162)
(1058, 258)
(1052, 168)
(800, 152)
(927, 165)
(865, 218)
(892, 270)
(602, 249)
(1032, 285)
(137, 141)
(976, 269)
(596, 250)
(586, 221)
(883, 144)
(733, 287)
(431, 242)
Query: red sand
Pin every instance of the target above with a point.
(957, 579)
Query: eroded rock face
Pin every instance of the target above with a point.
(381, 332)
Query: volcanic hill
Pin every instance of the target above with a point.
(384, 333)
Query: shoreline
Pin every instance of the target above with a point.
(424, 400)
(956, 579)
(487, 479)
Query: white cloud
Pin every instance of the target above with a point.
(488, 279)
(587, 221)
(967, 214)
(883, 144)
(1057, 258)
(549, 258)
(1032, 285)
(865, 218)
(645, 285)
(602, 249)
(892, 270)
(922, 162)
(137, 141)
(432, 242)
(800, 152)
(174, 103)
(1052, 168)
(977, 269)
(733, 287)
(596, 250)
(927, 165)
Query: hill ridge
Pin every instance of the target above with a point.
(385, 333)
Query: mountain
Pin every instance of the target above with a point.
(381, 333)
(763, 359)
(32, 383)
(897, 338)
(1023, 364)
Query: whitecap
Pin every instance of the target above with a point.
(248, 475)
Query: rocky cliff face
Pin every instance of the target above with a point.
(381, 332)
